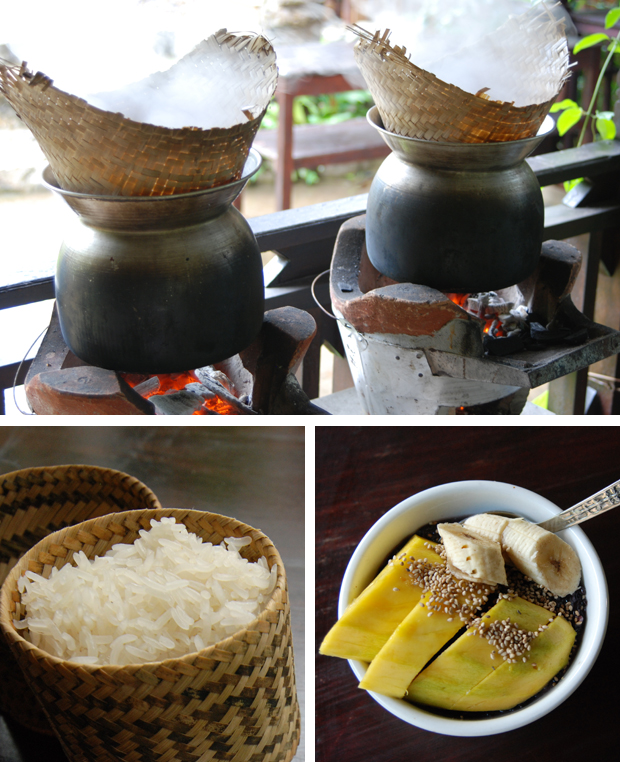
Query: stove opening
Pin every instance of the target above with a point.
(207, 391)
(509, 325)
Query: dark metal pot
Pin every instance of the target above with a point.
(456, 217)
(159, 284)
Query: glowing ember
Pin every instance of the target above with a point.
(462, 301)
(501, 317)
(165, 383)
(459, 299)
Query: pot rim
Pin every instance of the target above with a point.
(466, 156)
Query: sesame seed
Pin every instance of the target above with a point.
(447, 594)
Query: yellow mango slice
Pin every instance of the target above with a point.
(512, 684)
(372, 617)
(467, 661)
(416, 640)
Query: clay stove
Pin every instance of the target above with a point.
(414, 350)
(259, 380)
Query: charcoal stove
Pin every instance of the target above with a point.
(259, 380)
(415, 350)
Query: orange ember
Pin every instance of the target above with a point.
(169, 382)
(459, 299)
(490, 321)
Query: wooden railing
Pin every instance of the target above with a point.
(303, 240)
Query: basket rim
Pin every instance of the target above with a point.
(377, 49)
(41, 469)
(256, 43)
(12, 637)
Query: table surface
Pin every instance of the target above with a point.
(361, 472)
(253, 473)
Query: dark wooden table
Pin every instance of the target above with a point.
(253, 473)
(360, 474)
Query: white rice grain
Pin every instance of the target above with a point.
(163, 596)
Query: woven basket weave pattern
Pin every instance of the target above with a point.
(103, 153)
(415, 103)
(35, 502)
(233, 701)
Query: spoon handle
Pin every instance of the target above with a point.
(598, 503)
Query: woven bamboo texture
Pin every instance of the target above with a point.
(94, 151)
(415, 103)
(234, 701)
(34, 502)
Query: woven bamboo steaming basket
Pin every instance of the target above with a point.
(234, 701)
(35, 502)
(415, 103)
(94, 151)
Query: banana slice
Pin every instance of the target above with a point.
(471, 556)
(489, 525)
(542, 555)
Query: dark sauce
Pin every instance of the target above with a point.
(572, 607)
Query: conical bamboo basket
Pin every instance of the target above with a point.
(35, 502)
(94, 151)
(234, 701)
(414, 103)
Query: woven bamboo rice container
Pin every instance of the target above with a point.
(91, 150)
(234, 701)
(34, 502)
(414, 103)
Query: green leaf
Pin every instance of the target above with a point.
(590, 41)
(570, 184)
(566, 103)
(309, 176)
(568, 119)
(299, 112)
(612, 18)
(307, 102)
(606, 129)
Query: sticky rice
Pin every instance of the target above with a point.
(166, 595)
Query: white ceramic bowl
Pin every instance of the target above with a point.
(455, 500)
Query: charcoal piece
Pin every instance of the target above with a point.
(197, 388)
(147, 387)
(177, 403)
(503, 345)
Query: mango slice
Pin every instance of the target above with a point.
(511, 684)
(416, 640)
(455, 678)
(372, 617)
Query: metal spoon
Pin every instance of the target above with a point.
(598, 503)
